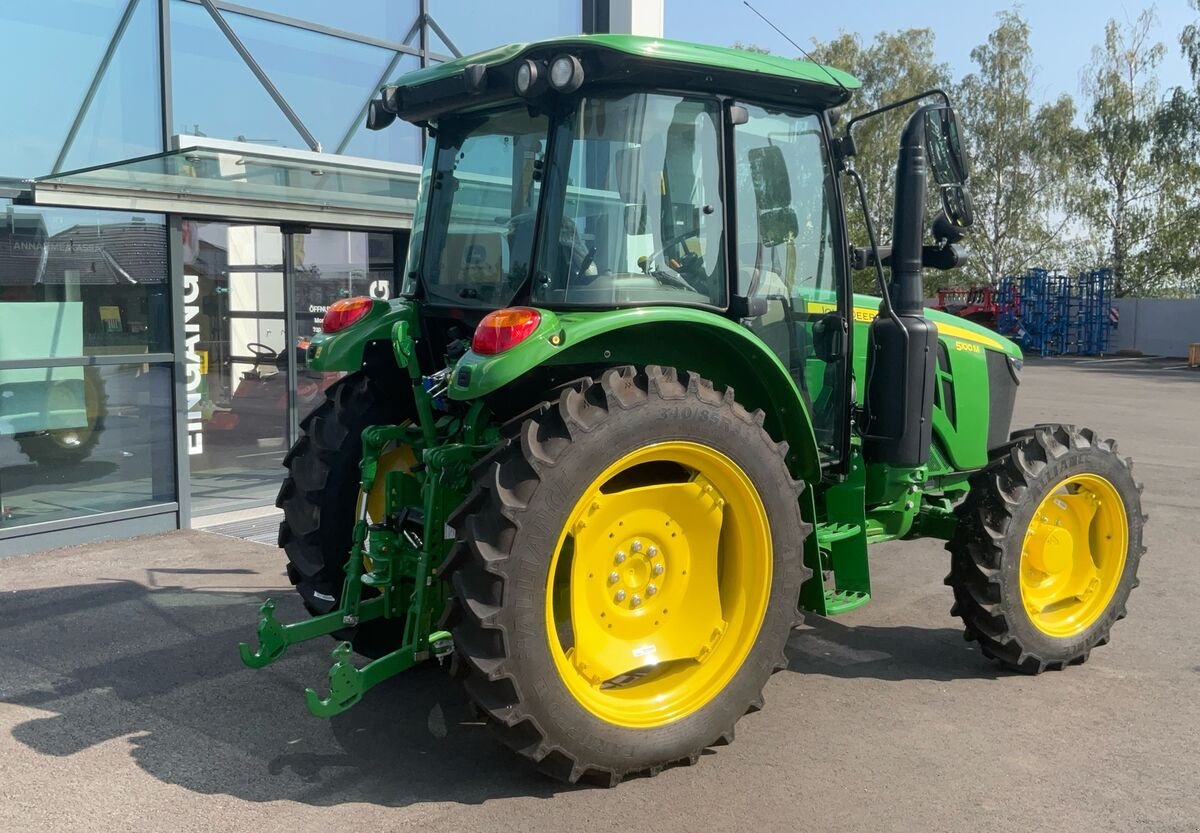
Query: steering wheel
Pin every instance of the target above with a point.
(679, 281)
(261, 352)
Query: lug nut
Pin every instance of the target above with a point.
(658, 569)
(620, 597)
(612, 578)
(635, 601)
(620, 556)
(637, 546)
(651, 589)
(651, 550)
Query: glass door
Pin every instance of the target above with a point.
(327, 265)
(254, 295)
(237, 352)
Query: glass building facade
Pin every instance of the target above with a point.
(154, 304)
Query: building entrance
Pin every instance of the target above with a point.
(253, 297)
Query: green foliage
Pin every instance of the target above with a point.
(1189, 42)
(751, 47)
(1020, 157)
(1110, 183)
(892, 66)
(1137, 176)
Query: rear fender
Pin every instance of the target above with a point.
(344, 350)
(718, 349)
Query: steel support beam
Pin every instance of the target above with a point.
(113, 43)
(261, 75)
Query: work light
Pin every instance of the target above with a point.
(566, 74)
(527, 76)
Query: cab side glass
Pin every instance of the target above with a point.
(790, 261)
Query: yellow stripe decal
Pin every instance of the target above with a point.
(867, 315)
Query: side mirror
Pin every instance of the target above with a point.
(943, 146)
(957, 205)
(944, 150)
(777, 221)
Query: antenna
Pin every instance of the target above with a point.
(803, 51)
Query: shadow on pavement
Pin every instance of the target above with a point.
(160, 668)
(899, 652)
(157, 666)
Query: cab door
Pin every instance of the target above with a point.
(791, 264)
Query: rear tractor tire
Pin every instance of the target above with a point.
(626, 574)
(1047, 548)
(319, 499)
(67, 446)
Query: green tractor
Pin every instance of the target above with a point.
(628, 419)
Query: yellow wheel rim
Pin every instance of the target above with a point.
(400, 458)
(659, 584)
(1074, 555)
(63, 398)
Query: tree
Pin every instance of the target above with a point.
(1136, 173)
(894, 65)
(751, 47)
(1189, 42)
(1019, 157)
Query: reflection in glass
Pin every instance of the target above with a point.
(100, 439)
(477, 247)
(82, 283)
(52, 52)
(237, 360)
(329, 265)
(642, 218)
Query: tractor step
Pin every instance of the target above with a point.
(828, 534)
(843, 601)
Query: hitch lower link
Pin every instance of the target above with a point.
(401, 575)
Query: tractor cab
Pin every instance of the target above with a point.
(605, 173)
(613, 172)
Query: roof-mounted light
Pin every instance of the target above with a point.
(566, 74)
(528, 75)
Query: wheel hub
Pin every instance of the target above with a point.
(1052, 550)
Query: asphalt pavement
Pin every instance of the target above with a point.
(124, 707)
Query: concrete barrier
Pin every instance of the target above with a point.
(1157, 326)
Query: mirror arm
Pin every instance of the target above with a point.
(847, 146)
(876, 253)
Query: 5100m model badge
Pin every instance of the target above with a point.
(626, 419)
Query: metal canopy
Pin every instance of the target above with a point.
(206, 177)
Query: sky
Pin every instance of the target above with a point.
(1062, 32)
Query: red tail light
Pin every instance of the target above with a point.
(504, 328)
(341, 314)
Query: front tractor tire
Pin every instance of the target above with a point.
(626, 574)
(1047, 548)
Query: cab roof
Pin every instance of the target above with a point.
(624, 59)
